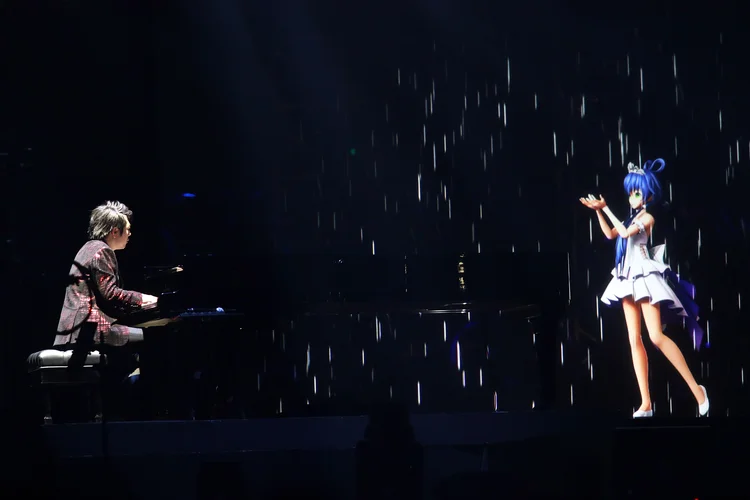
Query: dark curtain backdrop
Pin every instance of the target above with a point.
(318, 128)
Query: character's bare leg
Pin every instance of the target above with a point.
(638, 351)
(652, 316)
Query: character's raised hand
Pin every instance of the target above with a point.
(593, 203)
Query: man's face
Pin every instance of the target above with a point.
(120, 238)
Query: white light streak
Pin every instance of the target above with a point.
(583, 106)
(699, 243)
(596, 300)
(562, 354)
(554, 142)
(307, 361)
(570, 290)
(509, 75)
(641, 79)
(458, 355)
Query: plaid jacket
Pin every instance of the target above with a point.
(102, 305)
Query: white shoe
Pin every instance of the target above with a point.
(703, 408)
(643, 414)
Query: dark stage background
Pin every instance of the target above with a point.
(326, 130)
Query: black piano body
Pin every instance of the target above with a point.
(217, 309)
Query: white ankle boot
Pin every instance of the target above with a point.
(703, 408)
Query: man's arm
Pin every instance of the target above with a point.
(103, 274)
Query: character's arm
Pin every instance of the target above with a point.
(103, 274)
(646, 222)
(609, 232)
(599, 204)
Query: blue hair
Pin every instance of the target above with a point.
(650, 189)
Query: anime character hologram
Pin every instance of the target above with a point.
(646, 286)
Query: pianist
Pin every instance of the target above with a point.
(94, 293)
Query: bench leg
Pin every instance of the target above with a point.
(47, 402)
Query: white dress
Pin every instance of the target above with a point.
(641, 275)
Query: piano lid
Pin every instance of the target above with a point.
(287, 282)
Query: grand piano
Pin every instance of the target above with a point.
(285, 335)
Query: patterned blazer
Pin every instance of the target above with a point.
(102, 305)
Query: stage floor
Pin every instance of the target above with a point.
(337, 433)
(587, 455)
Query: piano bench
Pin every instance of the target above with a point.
(48, 370)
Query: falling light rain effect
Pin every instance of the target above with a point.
(466, 119)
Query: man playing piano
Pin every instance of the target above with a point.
(94, 293)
